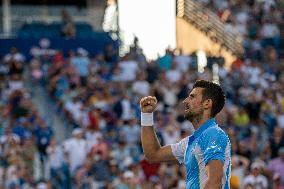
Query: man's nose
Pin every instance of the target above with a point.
(185, 101)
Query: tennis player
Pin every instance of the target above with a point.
(206, 154)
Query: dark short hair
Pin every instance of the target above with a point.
(214, 92)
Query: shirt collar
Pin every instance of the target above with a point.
(209, 123)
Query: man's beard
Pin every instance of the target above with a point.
(191, 116)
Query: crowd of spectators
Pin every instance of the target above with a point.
(100, 98)
(24, 133)
(258, 22)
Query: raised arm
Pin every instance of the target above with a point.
(150, 143)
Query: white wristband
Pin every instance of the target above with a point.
(147, 119)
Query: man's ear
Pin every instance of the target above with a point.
(207, 103)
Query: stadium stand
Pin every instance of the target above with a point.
(99, 96)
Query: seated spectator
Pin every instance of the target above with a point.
(128, 181)
(81, 63)
(276, 166)
(255, 179)
(14, 56)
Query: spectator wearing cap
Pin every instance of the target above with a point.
(276, 165)
(76, 148)
(277, 182)
(128, 181)
(82, 62)
(255, 180)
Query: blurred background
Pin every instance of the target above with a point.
(72, 74)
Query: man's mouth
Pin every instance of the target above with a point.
(187, 108)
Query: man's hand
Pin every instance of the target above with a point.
(148, 104)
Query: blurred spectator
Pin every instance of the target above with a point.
(128, 181)
(141, 86)
(81, 63)
(240, 165)
(277, 182)
(58, 168)
(173, 75)
(14, 56)
(276, 166)
(255, 179)
(76, 149)
(43, 134)
(68, 29)
(66, 18)
(130, 132)
(83, 177)
(129, 69)
(276, 141)
(101, 148)
(165, 61)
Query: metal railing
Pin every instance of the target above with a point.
(21, 14)
(209, 23)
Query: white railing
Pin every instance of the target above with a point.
(21, 14)
(209, 23)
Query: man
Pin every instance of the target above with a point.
(206, 153)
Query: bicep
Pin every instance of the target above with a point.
(173, 152)
(163, 154)
(215, 173)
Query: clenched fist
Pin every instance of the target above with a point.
(148, 104)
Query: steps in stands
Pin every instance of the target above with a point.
(47, 108)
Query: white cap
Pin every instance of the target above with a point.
(82, 51)
(128, 174)
(77, 131)
(256, 165)
(41, 186)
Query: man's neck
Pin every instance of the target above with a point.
(200, 120)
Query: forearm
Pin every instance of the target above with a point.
(150, 142)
